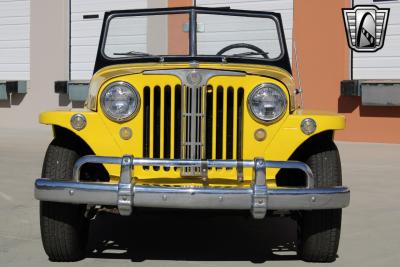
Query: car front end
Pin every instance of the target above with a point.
(193, 130)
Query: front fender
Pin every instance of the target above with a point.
(96, 135)
(290, 136)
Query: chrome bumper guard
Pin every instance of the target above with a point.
(258, 198)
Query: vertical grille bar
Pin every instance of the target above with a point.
(192, 118)
(177, 121)
(172, 118)
(146, 124)
(209, 122)
(146, 121)
(235, 123)
(214, 124)
(203, 110)
(167, 124)
(219, 120)
(229, 124)
(224, 124)
(186, 125)
(240, 112)
(151, 123)
(162, 122)
(156, 124)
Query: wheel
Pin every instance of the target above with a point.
(319, 230)
(63, 226)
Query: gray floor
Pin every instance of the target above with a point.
(370, 235)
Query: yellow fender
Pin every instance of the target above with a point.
(96, 134)
(290, 136)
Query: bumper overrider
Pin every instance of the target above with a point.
(258, 198)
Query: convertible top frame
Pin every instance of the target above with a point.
(103, 61)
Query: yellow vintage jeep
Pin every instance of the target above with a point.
(192, 108)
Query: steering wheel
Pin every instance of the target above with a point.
(243, 45)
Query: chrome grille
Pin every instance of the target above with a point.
(183, 121)
(193, 127)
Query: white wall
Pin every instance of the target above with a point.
(48, 62)
(14, 39)
(85, 33)
(385, 63)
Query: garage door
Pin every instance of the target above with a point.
(86, 22)
(385, 63)
(14, 39)
(87, 15)
(285, 7)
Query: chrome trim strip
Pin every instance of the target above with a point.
(191, 198)
(92, 159)
(206, 74)
(195, 163)
(76, 192)
(309, 199)
(291, 164)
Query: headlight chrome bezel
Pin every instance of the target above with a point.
(132, 89)
(254, 91)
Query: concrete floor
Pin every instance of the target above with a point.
(370, 231)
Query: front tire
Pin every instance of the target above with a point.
(64, 227)
(319, 230)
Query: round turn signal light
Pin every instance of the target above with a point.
(260, 135)
(125, 133)
(78, 122)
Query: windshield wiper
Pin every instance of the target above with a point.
(134, 54)
(265, 54)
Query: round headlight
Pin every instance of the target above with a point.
(120, 101)
(267, 102)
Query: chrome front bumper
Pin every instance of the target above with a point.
(258, 198)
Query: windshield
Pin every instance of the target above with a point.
(163, 35)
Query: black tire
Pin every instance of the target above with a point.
(319, 230)
(63, 226)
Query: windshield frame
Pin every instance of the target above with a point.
(102, 60)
